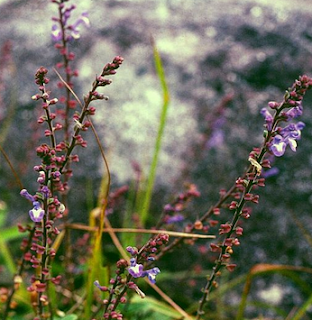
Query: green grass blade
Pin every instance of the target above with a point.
(10, 233)
(3, 213)
(95, 271)
(152, 309)
(302, 310)
(260, 269)
(7, 257)
(152, 172)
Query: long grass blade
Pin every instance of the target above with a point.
(264, 269)
(152, 172)
(7, 257)
(303, 309)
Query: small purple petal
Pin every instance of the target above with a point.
(132, 250)
(136, 270)
(267, 117)
(36, 213)
(151, 274)
(74, 28)
(294, 112)
(270, 173)
(300, 125)
(83, 19)
(176, 218)
(278, 146)
(24, 193)
(56, 33)
(216, 140)
(46, 191)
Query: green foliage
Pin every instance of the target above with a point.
(68, 317)
(151, 309)
(152, 172)
(6, 235)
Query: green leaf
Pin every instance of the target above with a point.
(7, 257)
(68, 317)
(303, 309)
(3, 213)
(154, 308)
(10, 233)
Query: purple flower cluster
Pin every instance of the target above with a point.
(287, 136)
(281, 137)
(136, 270)
(146, 254)
(73, 29)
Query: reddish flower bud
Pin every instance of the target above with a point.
(225, 228)
(233, 205)
(214, 247)
(231, 267)
(239, 231)
(216, 211)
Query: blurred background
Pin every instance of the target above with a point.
(224, 60)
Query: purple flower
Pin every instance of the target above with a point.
(36, 213)
(287, 136)
(45, 191)
(136, 270)
(173, 219)
(24, 193)
(84, 20)
(294, 112)
(132, 250)
(151, 274)
(278, 146)
(216, 139)
(267, 117)
(97, 284)
(270, 173)
(73, 29)
(56, 33)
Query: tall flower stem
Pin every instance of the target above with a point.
(291, 100)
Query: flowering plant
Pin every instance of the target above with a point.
(71, 276)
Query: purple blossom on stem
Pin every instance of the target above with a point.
(84, 20)
(45, 191)
(173, 219)
(132, 250)
(24, 193)
(270, 173)
(216, 139)
(294, 112)
(136, 271)
(278, 146)
(36, 213)
(56, 33)
(74, 30)
(286, 136)
(267, 117)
